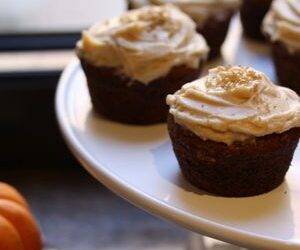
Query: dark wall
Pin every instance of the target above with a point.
(28, 130)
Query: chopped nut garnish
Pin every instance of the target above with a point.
(231, 77)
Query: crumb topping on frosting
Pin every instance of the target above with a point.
(227, 77)
(239, 82)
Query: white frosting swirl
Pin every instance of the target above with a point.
(145, 43)
(282, 23)
(234, 104)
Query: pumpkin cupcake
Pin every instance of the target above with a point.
(133, 61)
(233, 132)
(212, 17)
(282, 28)
(252, 15)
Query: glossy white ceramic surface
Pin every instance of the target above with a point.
(137, 163)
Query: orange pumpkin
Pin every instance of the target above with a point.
(10, 193)
(18, 229)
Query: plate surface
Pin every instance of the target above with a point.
(138, 163)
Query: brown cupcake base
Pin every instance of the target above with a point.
(242, 169)
(214, 31)
(287, 66)
(252, 14)
(122, 99)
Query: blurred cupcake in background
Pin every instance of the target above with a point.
(212, 17)
(133, 61)
(252, 14)
(282, 28)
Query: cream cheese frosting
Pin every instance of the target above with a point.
(145, 44)
(201, 10)
(234, 104)
(282, 23)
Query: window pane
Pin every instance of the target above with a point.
(54, 16)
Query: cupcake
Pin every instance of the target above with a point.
(211, 17)
(252, 14)
(133, 61)
(282, 28)
(233, 132)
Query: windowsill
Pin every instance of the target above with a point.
(35, 61)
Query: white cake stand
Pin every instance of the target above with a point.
(137, 163)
